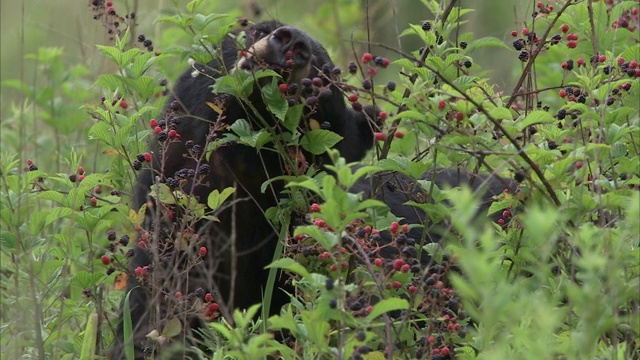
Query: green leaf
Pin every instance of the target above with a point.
(216, 198)
(486, 42)
(276, 103)
(387, 305)
(535, 117)
(501, 113)
(318, 141)
(89, 338)
(292, 119)
(172, 328)
(327, 239)
(162, 193)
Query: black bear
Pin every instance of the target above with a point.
(231, 253)
(234, 250)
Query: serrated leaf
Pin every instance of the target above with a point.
(325, 238)
(276, 103)
(216, 198)
(386, 306)
(318, 141)
(501, 113)
(292, 119)
(162, 193)
(535, 117)
(486, 42)
(290, 265)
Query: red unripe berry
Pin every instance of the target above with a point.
(97, 190)
(580, 62)
(579, 164)
(283, 87)
(385, 62)
(525, 31)
(147, 157)
(396, 285)
(124, 104)
(173, 134)
(106, 260)
(550, 7)
(372, 71)
(324, 256)
(602, 58)
(203, 251)
(620, 61)
(459, 115)
(506, 214)
(366, 57)
(633, 64)
(405, 228)
(352, 97)
(111, 11)
(431, 339)
(213, 307)
(445, 351)
(398, 134)
(562, 93)
(208, 297)
(157, 130)
(367, 229)
(405, 268)
(564, 65)
(378, 262)
(178, 294)
(441, 105)
(383, 115)
(153, 123)
(109, 3)
(368, 309)
(501, 222)
(319, 222)
(572, 44)
(564, 28)
(539, 4)
(80, 178)
(315, 207)
(412, 289)
(316, 81)
(80, 170)
(380, 136)
(514, 33)
(333, 267)
(29, 162)
(637, 74)
(397, 264)
(394, 227)
(439, 284)
(572, 36)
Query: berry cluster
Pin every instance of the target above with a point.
(113, 22)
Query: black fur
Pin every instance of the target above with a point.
(232, 165)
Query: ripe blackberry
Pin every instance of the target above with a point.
(306, 82)
(111, 235)
(33, 167)
(173, 183)
(562, 113)
(163, 136)
(555, 39)
(518, 44)
(311, 101)
(353, 67)
(366, 84)
(409, 251)
(426, 26)
(137, 165)
(467, 64)
(523, 56)
(147, 43)
(292, 89)
(204, 169)
(124, 240)
(440, 40)
(196, 149)
(569, 64)
(391, 86)
(175, 105)
(463, 45)
(333, 303)
(378, 60)
(329, 284)
(582, 99)
(141, 38)
(325, 125)
(607, 69)
(140, 157)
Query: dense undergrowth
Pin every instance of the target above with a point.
(555, 277)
